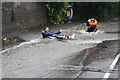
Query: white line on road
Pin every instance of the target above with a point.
(107, 74)
(21, 44)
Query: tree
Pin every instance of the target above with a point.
(56, 12)
(102, 11)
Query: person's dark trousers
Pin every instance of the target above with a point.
(91, 29)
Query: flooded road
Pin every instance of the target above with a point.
(89, 55)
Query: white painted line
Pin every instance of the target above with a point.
(21, 44)
(107, 74)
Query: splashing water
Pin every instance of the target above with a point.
(90, 33)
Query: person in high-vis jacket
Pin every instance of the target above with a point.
(91, 24)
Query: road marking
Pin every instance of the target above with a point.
(21, 44)
(107, 74)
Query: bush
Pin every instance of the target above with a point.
(56, 12)
(102, 11)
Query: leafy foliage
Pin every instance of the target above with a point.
(102, 11)
(56, 12)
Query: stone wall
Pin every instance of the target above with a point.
(17, 15)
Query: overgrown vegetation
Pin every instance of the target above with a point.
(102, 11)
(56, 12)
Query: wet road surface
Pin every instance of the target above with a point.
(79, 58)
(91, 63)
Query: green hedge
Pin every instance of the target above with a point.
(56, 12)
(102, 11)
